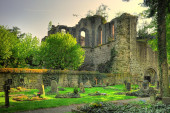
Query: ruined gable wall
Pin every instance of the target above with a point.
(143, 59)
(102, 54)
(132, 56)
(142, 56)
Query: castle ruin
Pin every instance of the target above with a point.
(133, 56)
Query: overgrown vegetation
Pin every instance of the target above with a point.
(100, 12)
(141, 107)
(93, 18)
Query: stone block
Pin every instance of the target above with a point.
(82, 88)
(152, 98)
(87, 84)
(54, 88)
(128, 86)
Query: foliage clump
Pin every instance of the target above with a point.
(17, 50)
(100, 12)
(7, 43)
(61, 51)
(92, 18)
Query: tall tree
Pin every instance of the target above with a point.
(163, 66)
(25, 51)
(161, 8)
(8, 41)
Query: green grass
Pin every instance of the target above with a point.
(56, 102)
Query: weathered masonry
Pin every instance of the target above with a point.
(98, 39)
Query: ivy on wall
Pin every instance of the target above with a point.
(107, 67)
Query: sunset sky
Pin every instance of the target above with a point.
(33, 16)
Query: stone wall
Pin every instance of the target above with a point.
(29, 81)
(133, 56)
(64, 79)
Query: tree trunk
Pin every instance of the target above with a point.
(162, 53)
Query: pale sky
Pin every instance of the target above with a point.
(33, 16)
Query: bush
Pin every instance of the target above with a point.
(61, 51)
(75, 90)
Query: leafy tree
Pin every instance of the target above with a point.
(161, 8)
(61, 51)
(25, 51)
(7, 43)
(154, 42)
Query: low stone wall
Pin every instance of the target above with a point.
(29, 81)
(64, 78)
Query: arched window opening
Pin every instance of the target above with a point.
(63, 31)
(113, 32)
(82, 38)
(99, 35)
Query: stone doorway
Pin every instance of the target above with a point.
(151, 76)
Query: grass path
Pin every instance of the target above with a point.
(65, 109)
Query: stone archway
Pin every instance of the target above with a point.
(84, 40)
(151, 76)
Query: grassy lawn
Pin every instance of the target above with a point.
(51, 101)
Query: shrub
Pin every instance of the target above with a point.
(61, 51)
(75, 90)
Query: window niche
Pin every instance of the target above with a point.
(99, 36)
(82, 38)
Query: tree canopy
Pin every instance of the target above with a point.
(25, 51)
(16, 49)
(8, 41)
(61, 51)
